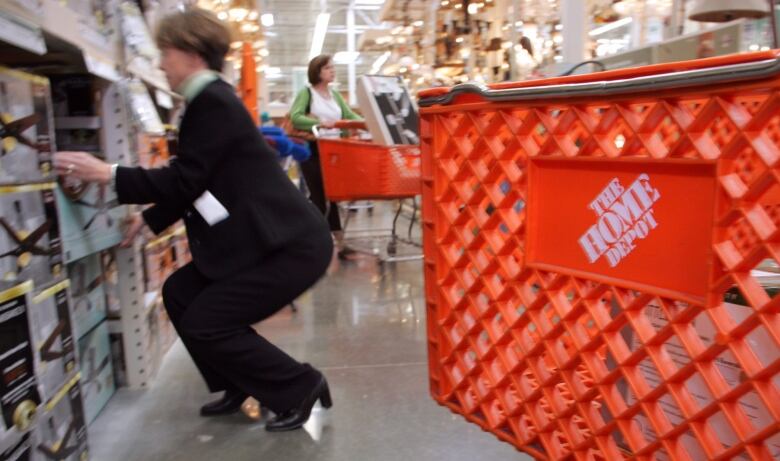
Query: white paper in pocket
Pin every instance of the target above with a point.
(210, 208)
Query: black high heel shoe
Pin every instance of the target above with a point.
(297, 417)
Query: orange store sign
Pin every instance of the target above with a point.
(641, 223)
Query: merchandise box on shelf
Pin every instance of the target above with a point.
(51, 330)
(389, 110)
(26, 126)
(152, 150)
(19, 393)
(148, 138)
(181, 247)
(88, 118)
(97, 373)
(159, 262)
(88, 293)
(16, 447)
(141, 53)
(154, 339)
(96, 15)
(61, 431)
(89, 223)
(30, 244)
(111, 283)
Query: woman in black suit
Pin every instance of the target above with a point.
(256, 242)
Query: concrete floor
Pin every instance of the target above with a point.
(364, 327)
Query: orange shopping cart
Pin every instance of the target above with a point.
(601, 258)
(356, 169)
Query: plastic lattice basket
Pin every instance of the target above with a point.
(601, 260)
(359, 170)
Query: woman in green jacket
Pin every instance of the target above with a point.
(322, 106)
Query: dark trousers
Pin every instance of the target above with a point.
(312, 173)
(214, 319)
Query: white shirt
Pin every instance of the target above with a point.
(326, 110)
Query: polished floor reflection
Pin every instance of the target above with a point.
(364, 327)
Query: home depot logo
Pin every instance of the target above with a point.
(624, 216)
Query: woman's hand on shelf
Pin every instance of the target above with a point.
(82, 166)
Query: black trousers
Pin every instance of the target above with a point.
(312, 173)
(214, 319)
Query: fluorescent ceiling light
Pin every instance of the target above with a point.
(345, 57)
(611, 26)
(318, 39)
(273, 70)
(369, 2)
(380, 61)
(368, 7)
(267, 20)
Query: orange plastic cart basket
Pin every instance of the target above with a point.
(596, 250)
(359, 170)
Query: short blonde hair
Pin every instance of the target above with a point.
(197, 31)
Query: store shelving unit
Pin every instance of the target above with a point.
(105, 290)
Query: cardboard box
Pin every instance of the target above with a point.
(91, 223)
(761, 344)
(152, 150)
(19, 394)
(28, 127)
(111, 283)
(30, 246)
(181, 248)
(389, 110)
(51, 329)
(97, 373)
(61, 432)
(93, 13)
(16, 447)
(159, 263)
(88, 293)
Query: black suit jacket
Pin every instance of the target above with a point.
(222, 151)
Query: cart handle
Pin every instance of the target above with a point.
(670, 80)
(342, 125)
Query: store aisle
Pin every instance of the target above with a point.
(364, 326)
